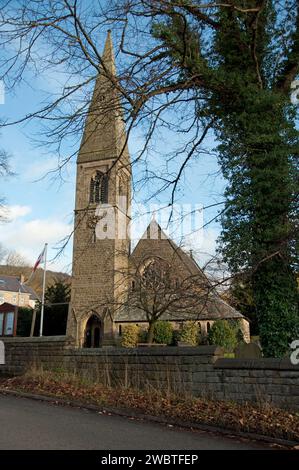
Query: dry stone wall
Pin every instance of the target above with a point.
(201, 371)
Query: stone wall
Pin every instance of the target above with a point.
(23, 353)
(201, 371)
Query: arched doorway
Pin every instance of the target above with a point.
(93, 332)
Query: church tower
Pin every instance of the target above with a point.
(103, 197)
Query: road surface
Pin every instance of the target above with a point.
(30, 424)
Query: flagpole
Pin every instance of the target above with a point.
(43, 294)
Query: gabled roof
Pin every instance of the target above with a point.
(7, 307)
(157, 233)
(13, 284)
(213, 307)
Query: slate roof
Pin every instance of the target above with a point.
(13, 284)
(213, 308)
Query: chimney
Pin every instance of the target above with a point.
(22, 278)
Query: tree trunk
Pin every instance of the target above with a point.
(150, 333)
(33, 323)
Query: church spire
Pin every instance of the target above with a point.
(104, 133)
(108, 55)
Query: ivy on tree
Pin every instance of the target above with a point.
(254, 122)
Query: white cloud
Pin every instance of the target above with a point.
(15, 212)
(40, 231)
(29, 237)
(11, 213)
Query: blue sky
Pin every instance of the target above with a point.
(41, 206)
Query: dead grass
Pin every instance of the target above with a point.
(261, 419)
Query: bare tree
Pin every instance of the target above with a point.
(3, 253)
(4, 171)
(70, 34)
(174, 83)
(156, 290)
(66, 37)
(13, 258)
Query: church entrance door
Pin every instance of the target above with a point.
(93, 332)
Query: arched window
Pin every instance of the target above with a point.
(155, 273)
(98, 188)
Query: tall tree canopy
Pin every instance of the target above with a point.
(57, 297)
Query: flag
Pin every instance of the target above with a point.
(39, 260)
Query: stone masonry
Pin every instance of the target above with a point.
(201, 371)
(97, 263)
(102, 266)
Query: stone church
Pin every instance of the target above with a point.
(104, 269)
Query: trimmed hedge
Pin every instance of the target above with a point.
(130, 336)
(189, 333)
(163, 332)
(223, 334)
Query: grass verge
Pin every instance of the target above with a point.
(263, 419)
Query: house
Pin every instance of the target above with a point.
(14, 291)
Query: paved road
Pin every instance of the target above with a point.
(29, 424)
